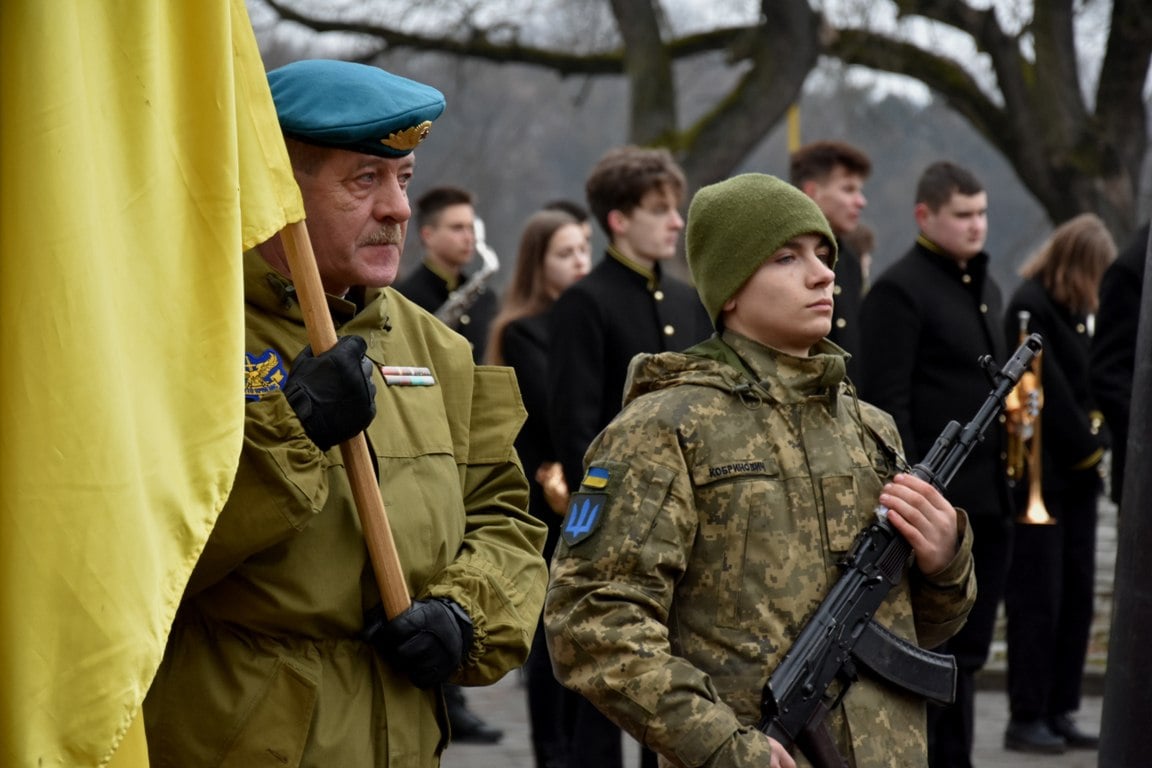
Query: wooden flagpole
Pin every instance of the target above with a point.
(365, 491)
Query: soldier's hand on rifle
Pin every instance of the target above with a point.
(428, 642)
(332, 393)
(924, 518)
(780, 756)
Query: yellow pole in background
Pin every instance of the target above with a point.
(793, 128)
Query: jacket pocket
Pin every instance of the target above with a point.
(740, 506)
(275, 726)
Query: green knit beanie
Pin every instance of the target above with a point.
(736, 224)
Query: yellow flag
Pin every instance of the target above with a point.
(139, 156)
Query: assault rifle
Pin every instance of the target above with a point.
(842, 632)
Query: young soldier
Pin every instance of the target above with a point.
(715, 507)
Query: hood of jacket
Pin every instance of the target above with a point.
(744, 368)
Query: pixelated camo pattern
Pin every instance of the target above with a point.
(737, 478)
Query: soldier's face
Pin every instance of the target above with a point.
(357, 215)
(787, 303)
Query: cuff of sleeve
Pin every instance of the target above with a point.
(746, 746)
(955, 574)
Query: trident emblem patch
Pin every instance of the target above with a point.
(584, 515)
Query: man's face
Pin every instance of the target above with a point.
(841, 198)
(450, 239)
(960, 227)
(648, 233)
(357, 213)
(787, 303)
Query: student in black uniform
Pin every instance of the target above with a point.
(924, 323)
(626, 305)
(833, 173)
(1114, 347)
(445, 221)
(1048, 601)
(553, 253)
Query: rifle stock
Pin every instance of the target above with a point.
(841, 632)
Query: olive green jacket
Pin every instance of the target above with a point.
(264, 665)
(727, 489)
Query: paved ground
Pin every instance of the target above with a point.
(503, 704)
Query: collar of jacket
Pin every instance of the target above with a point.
(782, 377)
(651, 276)
(451, 281)
(271, 292)
(976, 267)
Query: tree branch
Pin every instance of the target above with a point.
(476, 45)
(943, 75)
(649, 68)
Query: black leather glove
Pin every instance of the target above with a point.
(332, 393)
(428, 642)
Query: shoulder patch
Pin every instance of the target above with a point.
(585, 511)
(595, 477)
(263, 374)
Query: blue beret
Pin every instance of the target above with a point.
(353, 106)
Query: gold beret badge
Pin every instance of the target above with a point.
(407, 139)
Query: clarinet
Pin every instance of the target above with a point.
(462, 299)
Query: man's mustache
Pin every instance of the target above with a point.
(388, 234)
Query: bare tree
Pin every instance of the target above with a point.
(1073, 153)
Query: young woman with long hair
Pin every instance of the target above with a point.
(554, 253)
(1048, 601)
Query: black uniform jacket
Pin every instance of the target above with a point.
(1065, 424)
(846, 307)
(1114, 347)
(525, 348)
(925, 323)
(598, 324)
(430, 291)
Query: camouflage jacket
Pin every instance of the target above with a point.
(705, 533)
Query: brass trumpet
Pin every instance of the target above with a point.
(1022, 410)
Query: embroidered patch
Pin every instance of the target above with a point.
(595, 477)
(407, 376)
(737, 468)
(584, 515)
(263, 374)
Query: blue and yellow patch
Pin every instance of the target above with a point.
(595, 477)
(585, 511)
(263, 374)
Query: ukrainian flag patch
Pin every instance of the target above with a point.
(595, 477)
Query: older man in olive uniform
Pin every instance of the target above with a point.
(271, 658)
(715, 507)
